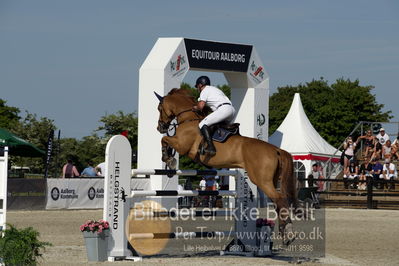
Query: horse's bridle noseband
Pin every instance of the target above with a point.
(165, 125)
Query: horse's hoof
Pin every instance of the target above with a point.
(288, 235)
(171, 163)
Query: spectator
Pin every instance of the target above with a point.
(210, 183)
(364, 172)
(314, 174)
(382, 137)
(188, 185)
(377, 170)
(320, 184)
(211, 186)
(202, 184)
(387, 150)
(369, 143)
(100, 169)
(69, 170)
(224, 182)
(349, 151)
(351, 173)
(89, 170)
(395, 149)
(396, 141)
(377, 151)
(389, 173)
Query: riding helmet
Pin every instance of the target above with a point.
(204, 80)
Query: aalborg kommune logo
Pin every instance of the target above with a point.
(55, 193)
(178, 65)
(65, 193)
(93, 193)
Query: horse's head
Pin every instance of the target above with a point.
(170, 106)
(165, 114)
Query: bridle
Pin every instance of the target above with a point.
(166, 125)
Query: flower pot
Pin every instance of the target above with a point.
(96, 245)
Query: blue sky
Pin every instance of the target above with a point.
(75, 61)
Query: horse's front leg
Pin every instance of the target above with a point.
(169, 143)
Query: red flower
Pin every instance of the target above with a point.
(94, 226)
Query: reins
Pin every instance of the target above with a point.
(188, 120)
(184, 121)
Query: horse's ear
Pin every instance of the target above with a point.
(160, 98)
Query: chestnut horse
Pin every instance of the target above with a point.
(264, 162)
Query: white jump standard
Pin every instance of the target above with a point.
(118, 196)
(3, 187)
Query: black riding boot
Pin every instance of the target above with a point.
(210, 149)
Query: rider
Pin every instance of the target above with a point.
(223, 110)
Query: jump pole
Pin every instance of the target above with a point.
(117, 195)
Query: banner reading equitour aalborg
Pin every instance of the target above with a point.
(218, 55)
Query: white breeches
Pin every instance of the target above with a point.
(223, 113)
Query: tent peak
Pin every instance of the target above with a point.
(297, 134)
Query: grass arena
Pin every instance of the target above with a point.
(353, 237)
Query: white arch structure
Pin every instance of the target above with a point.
(165, 68)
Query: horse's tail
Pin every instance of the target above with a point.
(288, 179)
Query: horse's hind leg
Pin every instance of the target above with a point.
(283, 212)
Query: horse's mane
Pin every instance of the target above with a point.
(182, 92)
(187, 95)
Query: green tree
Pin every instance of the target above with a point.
(9, 116)
(89, 149)
(225, 88)
(69, 149)
(334, 110)
(36, 131)
(115, 124)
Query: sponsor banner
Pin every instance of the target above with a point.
(26, 194)
(256, 71)
(178, 64)
(49, 151)
(218, 55)
(75, 193)
(261, 114)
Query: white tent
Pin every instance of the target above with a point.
(298, 136)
